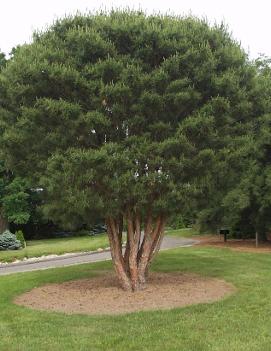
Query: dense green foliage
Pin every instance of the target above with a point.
(20, 236)
(239, 323)
(241, 194)
(8, 241)
(14, 197)
(114, 111)
(255, 185)
(3, 60)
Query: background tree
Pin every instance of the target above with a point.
(3, 60)
(251, 194)
(14, 200)
(125, 115)
(14, 205)
(14, 50)
(240, 195)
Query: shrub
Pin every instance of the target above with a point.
(179, 221)
(8, 241)
(20, 236)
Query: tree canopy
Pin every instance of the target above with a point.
(126, 116)
(3, 60)
(14, 206)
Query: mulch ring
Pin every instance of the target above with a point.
(101, 295)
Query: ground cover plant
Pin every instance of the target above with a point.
(241, 322)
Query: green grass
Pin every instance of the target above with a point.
(183, 232)
(37, 248)
(241, 322)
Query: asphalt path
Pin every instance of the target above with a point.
(74, 259)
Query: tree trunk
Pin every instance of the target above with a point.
(116, 253)
(143, 242)
(3, 223)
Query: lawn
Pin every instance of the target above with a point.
(36, 248)
(183, 232)
(241, 322)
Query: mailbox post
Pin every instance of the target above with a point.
(224, 232)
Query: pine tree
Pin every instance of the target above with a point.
(241, 193)
(124, 115)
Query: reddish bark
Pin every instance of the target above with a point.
(126, 256)
(149, 245)
(116, 253)
(132, 266)
(133, 236)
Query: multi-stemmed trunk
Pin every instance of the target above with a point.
(143, 241)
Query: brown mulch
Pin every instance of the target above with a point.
(246, 245)
(101, 295)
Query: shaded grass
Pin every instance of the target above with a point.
(37, 248)
(241, 322)
(183, 232)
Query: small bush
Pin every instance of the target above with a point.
(20, 236)
(176, 222)
(8, 241)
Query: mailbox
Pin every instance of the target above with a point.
(225, 232)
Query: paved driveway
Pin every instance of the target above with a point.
(69, 260)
